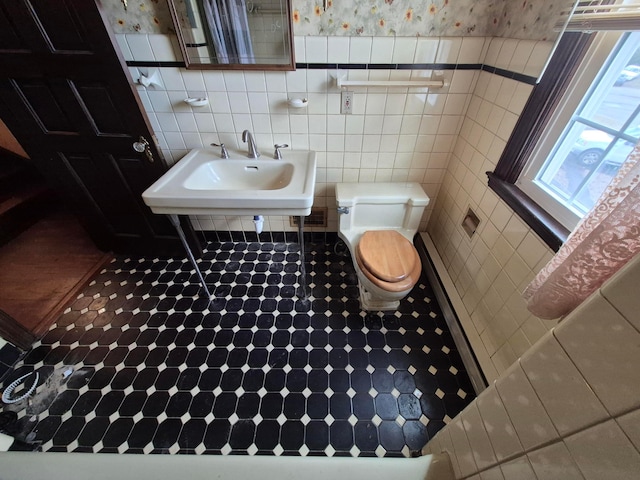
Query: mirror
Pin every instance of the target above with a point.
(234, 34)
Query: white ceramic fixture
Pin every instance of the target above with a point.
(367, 207)
(203, 183)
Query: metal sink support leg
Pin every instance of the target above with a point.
(303, 270)
(176, 223)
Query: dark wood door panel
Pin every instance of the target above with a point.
(60, 25)
(66, 95)
(138, 181)
(64, 106)
(68, 98)
(108, 191)
(45, 25)
(47, 100)
(102, 110)
(18, 18)
(10, 38)
(76, 116)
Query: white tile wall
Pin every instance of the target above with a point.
(604, 451)
(491, 474)
(492, 268)
(480, 445)
(392, 135)
(531, 421)
(565, 394)
(570, 408)
(495, 419)
(606, 334)
(519, 468)
(445, 139)
(554, 463)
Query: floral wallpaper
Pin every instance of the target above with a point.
(139, 16)
(395, 17)
(530, 19)
(525, 19)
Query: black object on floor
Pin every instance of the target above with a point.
(7, 421)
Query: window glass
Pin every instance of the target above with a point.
(596, 140)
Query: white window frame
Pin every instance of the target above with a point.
(604, 44)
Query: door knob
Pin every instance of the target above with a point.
(142, 145)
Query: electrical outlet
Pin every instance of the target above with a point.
(346, 104)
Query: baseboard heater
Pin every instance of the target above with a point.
(469, 359)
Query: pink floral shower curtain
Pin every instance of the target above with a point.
(606, 239)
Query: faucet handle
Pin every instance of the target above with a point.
(223, 150)
(277, 154)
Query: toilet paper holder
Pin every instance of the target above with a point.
(470, 222)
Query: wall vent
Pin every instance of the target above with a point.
(317, 218)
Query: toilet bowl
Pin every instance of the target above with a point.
(378, 221)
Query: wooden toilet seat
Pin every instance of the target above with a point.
(388, 260)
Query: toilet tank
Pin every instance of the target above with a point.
(379, 206)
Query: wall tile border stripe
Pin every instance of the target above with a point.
(155, 63)
(520, 77)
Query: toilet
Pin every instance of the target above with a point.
(378, 221)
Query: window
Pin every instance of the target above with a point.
(566, 104)
(528, 132)
(591, 132)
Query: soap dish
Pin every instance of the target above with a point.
(197, 102)
(298, 102)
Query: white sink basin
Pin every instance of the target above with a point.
(203, 183)
(240, 175)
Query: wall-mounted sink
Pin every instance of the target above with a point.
(203, 183)
(240, 175)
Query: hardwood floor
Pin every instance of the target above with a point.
(44, 269)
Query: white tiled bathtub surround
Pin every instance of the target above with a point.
(570, 408)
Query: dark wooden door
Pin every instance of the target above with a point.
(66, 95)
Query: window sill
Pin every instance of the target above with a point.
(548, 229)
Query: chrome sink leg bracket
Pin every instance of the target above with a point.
(175, 221)
(303, 295)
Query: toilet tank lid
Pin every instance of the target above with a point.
(348, 194)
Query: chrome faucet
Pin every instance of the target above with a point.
(223, 150)
(251, 143)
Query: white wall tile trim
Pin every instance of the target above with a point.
(526, 57)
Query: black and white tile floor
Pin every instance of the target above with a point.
(156, 369)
